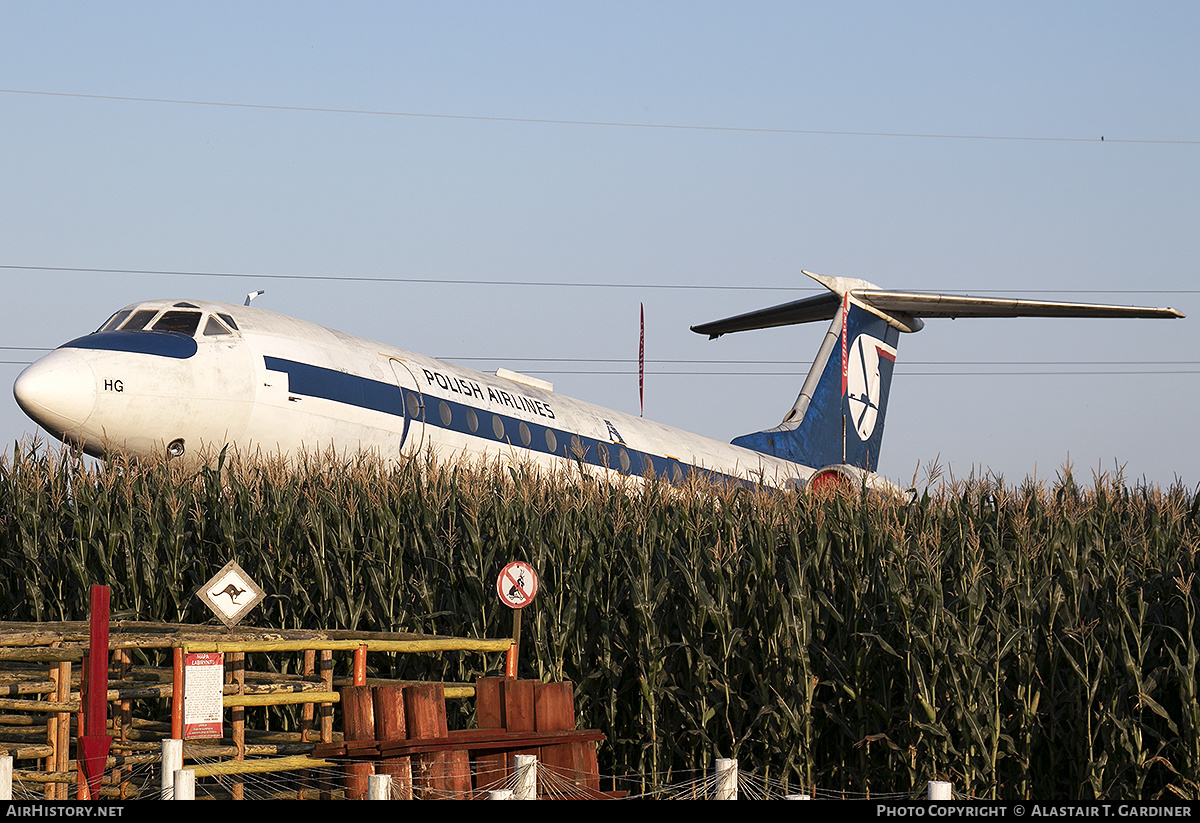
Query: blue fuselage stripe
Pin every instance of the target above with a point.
(328, 384)
(366, 393)
(159, 343)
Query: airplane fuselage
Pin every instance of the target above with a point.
(267, 383)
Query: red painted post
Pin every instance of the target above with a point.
(177, 693)
(94, 744)
(360, 665)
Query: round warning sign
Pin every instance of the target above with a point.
(516, 585)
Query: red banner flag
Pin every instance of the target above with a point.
(642, 361)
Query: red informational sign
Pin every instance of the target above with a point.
(203, 680)
(516, 585)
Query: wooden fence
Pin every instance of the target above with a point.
(41, 710)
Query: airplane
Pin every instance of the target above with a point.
(178, 377)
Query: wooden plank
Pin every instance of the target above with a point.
(567, 761)
(473, 740)
(555, 706)
(519, 705)
(436, 773)
(491, 770)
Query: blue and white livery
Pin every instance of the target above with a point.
(191, 377)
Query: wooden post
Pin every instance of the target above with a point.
(571, 763)
(514, 651)
(307, 725)
(360, 666)
(325, 664)
(490, 769)
(358, 723)
(388, 702)
(177, 693)
(81, 789)
(122, 718)
(52, 721)
(58, 731)
(306, 711)
(436, 775)
(63, 694)
(520, 712)
(237, 675)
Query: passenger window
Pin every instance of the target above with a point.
(180, 322)
(139, 320)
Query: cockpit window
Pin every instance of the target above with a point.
(139, 320)
(174, 320)
(114, 321)
(181, 322)
(214, 327)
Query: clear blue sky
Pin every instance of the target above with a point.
(1018, 194)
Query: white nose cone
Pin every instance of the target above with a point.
(58, 392)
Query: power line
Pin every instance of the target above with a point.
(350, 278)
(805, 362)
(343, 278)
(604, 123)
(899, 372)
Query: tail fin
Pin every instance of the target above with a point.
(838, 416)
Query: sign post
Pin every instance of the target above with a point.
(516, 586)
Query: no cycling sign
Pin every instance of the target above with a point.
(516, 585)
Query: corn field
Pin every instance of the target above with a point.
(1030, 641)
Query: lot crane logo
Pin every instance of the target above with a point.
(863, 383)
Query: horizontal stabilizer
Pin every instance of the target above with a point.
(904, 310)
(949, 305)
(821, 307)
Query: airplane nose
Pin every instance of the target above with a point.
(58, 391)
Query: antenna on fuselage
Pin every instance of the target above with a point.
(253, 295)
